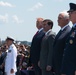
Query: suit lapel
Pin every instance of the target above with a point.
(60, 33)
(46, 36)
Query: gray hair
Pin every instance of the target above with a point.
(66, 15)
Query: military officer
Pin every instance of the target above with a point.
(69, 56)
(10, 61)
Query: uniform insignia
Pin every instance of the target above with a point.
(73, 34)
(71, 41)
(9, 51)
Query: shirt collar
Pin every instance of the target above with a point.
(40, 29)
(64, 27)
(47, 32)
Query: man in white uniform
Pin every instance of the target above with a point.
(10, 61)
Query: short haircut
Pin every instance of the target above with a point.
(40, 19)
(49, 22)
(66, 15)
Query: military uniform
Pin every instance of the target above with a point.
(10, 62)
(69, 56)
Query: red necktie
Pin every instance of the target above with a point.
(36, 33)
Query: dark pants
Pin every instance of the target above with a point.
(18, 72)
(44, 72)
(1, 73)
(37, 70)
(31, 72)
(57, 74)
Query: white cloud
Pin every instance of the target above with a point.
(16, 19)
(4, 18)
(36, 6)
(6, 4)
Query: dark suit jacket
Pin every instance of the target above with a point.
(36, 47)
(47, 50)
(69, 56)
(58, 49)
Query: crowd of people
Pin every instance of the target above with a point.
(14, 58)
(49, 54)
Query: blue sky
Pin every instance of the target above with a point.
(18, 17)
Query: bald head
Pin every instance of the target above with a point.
(39, 23)
(40, 19)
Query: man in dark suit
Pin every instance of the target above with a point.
(47, 48)
(69, 56)
(36, 46)
(59, 44)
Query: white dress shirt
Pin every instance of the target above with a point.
(64, 27)
(48, 32)
(40, 29)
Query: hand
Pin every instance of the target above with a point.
(0, 66)
(39, 63)
(48, 68)
(29, 68)
(75, 72)
(12, 71)
(3, 64)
